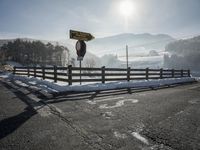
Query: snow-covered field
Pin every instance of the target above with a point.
(143, 62)
(50, 86)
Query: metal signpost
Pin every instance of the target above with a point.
(80, 44)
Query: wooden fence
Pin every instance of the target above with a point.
(72, 74)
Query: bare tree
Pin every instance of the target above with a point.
(89, 63)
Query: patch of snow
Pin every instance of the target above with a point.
(178, 113)
(13, 63)
(21, 83)
(91, 102)
(52, 87)
(5, 74)
(194, 101)
(120, 135)
(140, 137)
(108, 114)
(118, 104)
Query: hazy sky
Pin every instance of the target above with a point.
(52, 19)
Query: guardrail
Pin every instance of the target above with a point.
(72, 74)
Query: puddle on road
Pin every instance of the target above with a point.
(118, 104)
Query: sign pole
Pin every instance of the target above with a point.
(127, 56)
(80, 44)
(80, 70)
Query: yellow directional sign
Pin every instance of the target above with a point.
(80, 35)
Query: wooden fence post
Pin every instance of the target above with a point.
(128, 73)
(55, 73)
(103, 74)
(172, 73)
(14, 70)
(181, 72)
(70, 74)
(28, 69)
(35, 71)
(161, 73)
(188, 72)
(43, 73)
(147, 73)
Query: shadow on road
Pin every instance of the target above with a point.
(9, 125)
(75, 96)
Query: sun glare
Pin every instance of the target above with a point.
(126, 8)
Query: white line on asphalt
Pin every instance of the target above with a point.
(109, 99)
(118, 104)
(92, 102)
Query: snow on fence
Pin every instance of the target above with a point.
(72, 74)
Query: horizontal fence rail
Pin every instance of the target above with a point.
(72, 74)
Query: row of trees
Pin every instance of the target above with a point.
(35, 52)
(183, 54)
(28, 52)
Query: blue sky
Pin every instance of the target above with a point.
(52, 19)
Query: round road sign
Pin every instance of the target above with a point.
(80, 48)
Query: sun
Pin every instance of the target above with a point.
(126, 8)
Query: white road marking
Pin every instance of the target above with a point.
(118, 104)
(109, 99)
(139, 137)
(93, 102)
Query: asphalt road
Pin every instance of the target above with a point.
(162, 119)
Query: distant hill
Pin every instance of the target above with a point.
(184, 47)
(138, 43)
(5, 41)
(70, 45)
(184, 54)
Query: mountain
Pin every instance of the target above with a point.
(138, 43)
(184, 47)
(184, 54)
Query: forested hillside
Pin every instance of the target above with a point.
(35, 52)
(183, 54)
